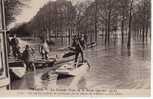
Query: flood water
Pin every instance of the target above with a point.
(110, 68)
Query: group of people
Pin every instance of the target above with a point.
(14, 47)
(26, 55)
(78, 46)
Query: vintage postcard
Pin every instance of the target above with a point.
(75, 48)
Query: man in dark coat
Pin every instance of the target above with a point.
(78, 45)
(27, 57)
(15, 46)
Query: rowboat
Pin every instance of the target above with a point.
(41, 63)
(71, 70)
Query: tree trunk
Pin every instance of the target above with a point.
(143, 34)
(109, 20)
(106, 35)
(129, 33)
(122, 31)
(130, 21)
(96, 22)
(69, 36)
(146, 32)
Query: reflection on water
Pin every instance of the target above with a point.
(34, 81)
(59, 81)
(44, 83)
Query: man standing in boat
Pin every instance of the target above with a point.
(78, 44)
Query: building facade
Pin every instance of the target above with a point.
(4, 73)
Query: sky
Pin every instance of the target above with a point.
(27, 13)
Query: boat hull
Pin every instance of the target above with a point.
(70, 70)
(17, 72)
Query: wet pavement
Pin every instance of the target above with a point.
(110, 68)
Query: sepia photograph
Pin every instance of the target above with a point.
(75, 47)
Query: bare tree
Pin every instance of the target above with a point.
(130, 21)
(13, 8)
(142, 19)
(55, 19)
(123, 9)
(108, 16)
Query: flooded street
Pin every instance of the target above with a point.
(110, 68)
(75, 48)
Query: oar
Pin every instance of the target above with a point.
(68, 54)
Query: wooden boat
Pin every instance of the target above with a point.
(17, 70)
(41, 63)
(70, 69)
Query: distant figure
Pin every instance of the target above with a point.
(15, 47)
(27, 57)
(85, 39)
(44, 50)
(78, 48)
